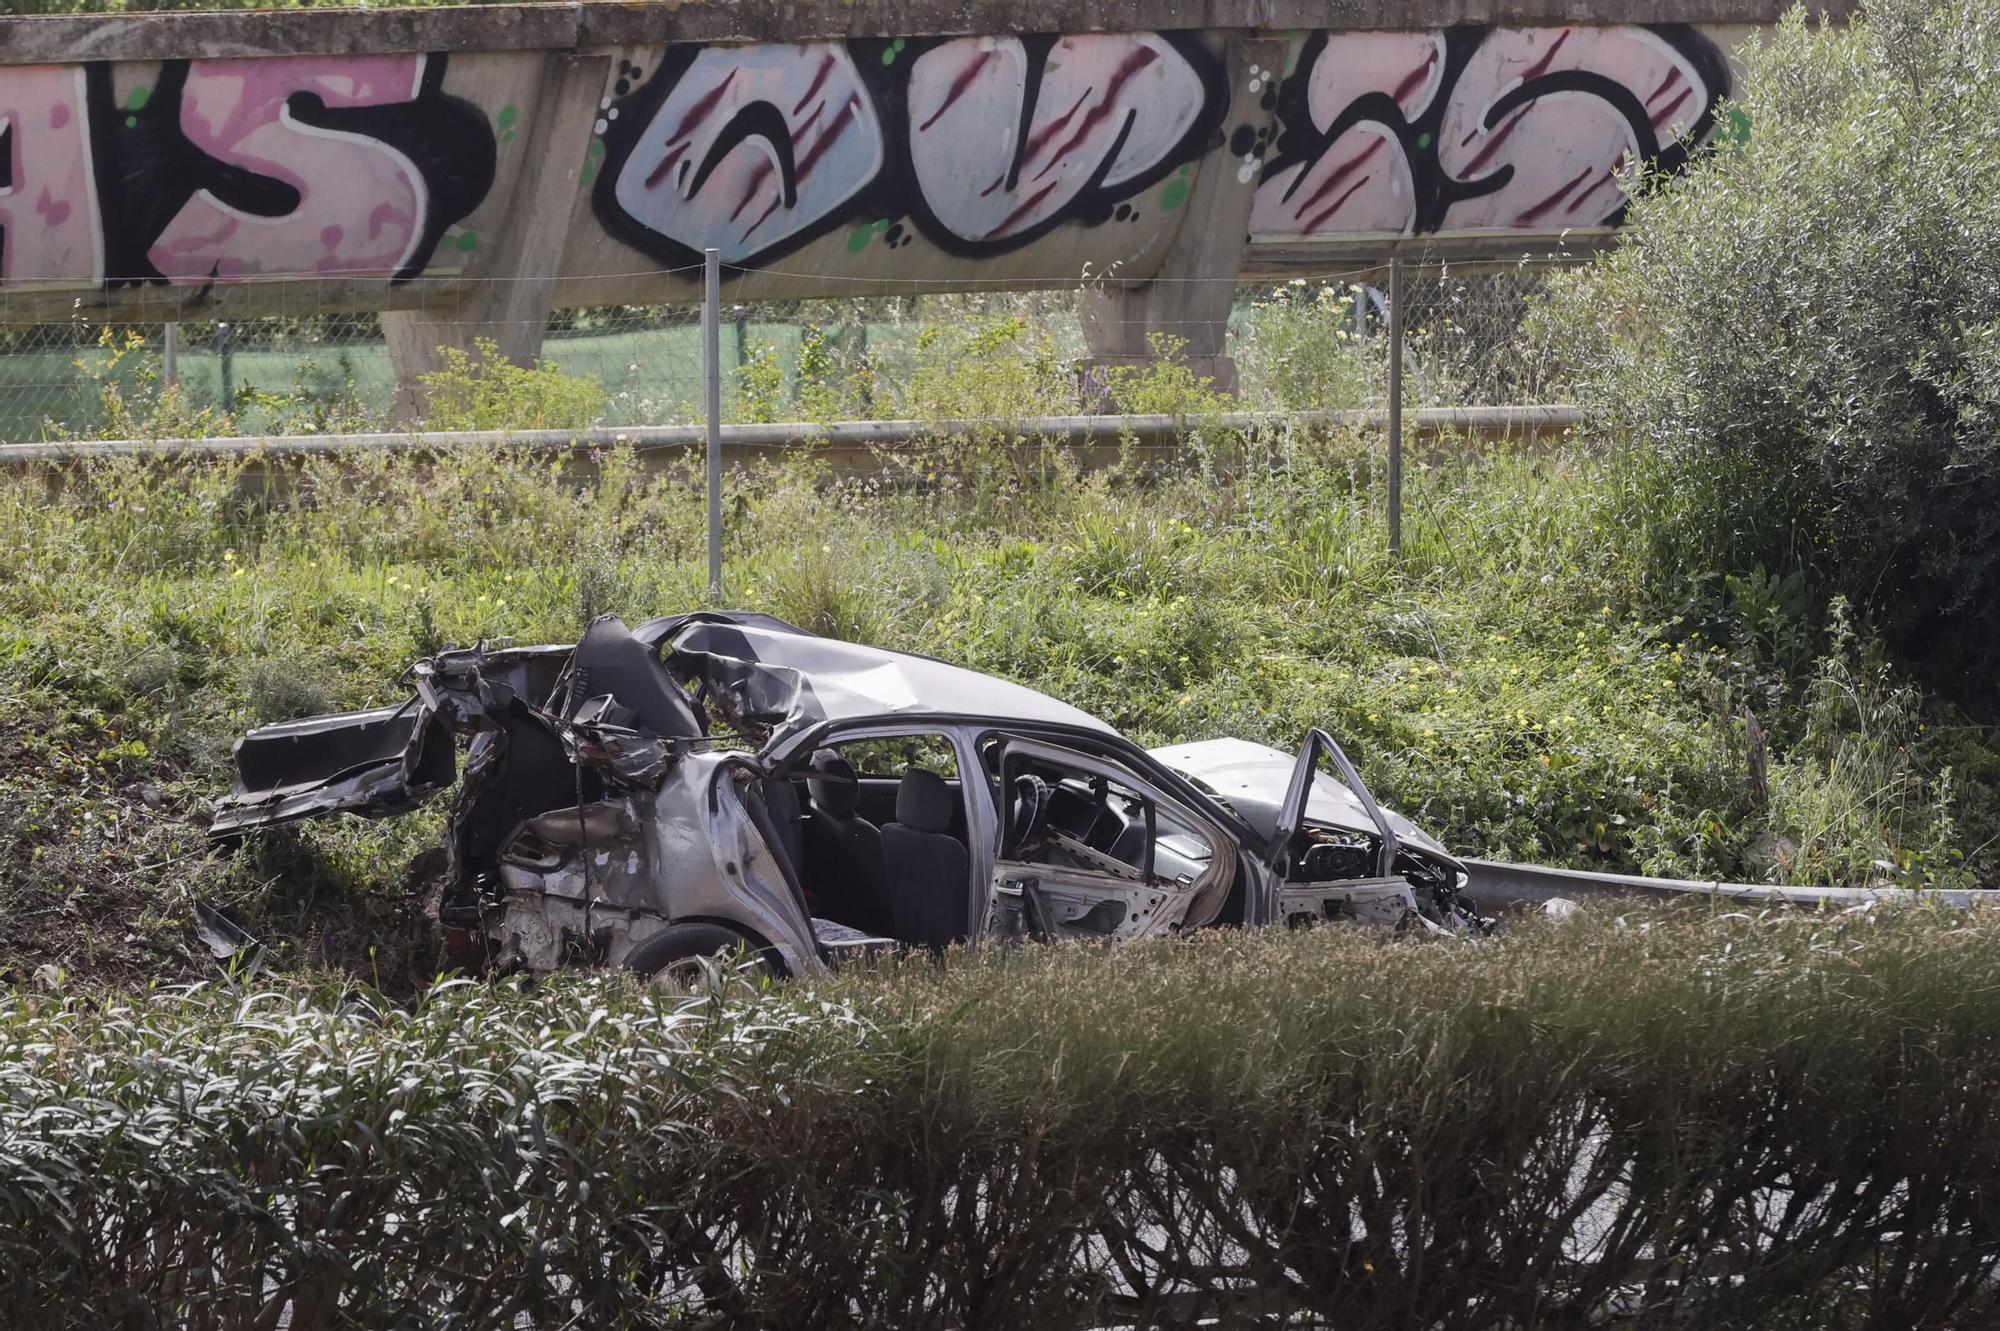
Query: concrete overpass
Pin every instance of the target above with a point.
(465, 170)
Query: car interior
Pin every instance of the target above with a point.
(882, 840)
(530, 773)
(1069, 818)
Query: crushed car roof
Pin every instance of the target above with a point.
(783, 678)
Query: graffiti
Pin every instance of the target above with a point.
(983, 143)
(749, 149)
(48, 208)
(1475, 129)
(359, 167)
(228, 170)
(1076, 117)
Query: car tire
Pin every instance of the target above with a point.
(675, 954)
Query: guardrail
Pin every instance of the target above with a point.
(1496, 883)
(845, 442)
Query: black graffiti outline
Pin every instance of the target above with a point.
(6, 180)
(1301, 143)
(147, 170)
(893, 191)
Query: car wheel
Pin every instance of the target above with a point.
(685, 956)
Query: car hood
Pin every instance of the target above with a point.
(1252, 780)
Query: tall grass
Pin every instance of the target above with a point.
(1714, 1120)
(1496, 682)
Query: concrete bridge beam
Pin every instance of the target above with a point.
(508, 303)
(463, 170)
(1184, 307)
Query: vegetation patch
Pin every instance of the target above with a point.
(1800, 341)
(1771, 1122)
(1505, 683)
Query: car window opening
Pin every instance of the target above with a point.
(1068, 818)
(882, 834)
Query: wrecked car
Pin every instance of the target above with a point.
(714, 781)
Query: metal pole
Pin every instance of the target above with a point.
(1395, 403)
(171, 355)
(222, 351)
(711, 392)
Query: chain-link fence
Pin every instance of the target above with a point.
(1310, 342)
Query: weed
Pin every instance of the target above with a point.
(483, 390)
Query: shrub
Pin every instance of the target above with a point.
(1655, 1116)
(1801, 339)
(486, 391)
(1304, 348)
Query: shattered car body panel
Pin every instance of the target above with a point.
(773, 676)
(376, 762)
(651, 789)
(612, 873)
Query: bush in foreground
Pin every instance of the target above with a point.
(1783, 1121)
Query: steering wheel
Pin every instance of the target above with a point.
(1030, 814)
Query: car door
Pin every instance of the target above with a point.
(377, 763)
(1304, 895)
(1089, 848)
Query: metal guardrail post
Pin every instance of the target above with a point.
(711, 393)
(1395, 403)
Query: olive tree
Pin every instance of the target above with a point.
(1799, 343)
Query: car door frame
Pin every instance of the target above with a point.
(1298, 797)
(1385, 898)
(1116, 760)
(982, 832)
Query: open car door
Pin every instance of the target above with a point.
(1314, 865)
(1090, 849)
(383, 760)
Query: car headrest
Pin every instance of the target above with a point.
(923, 801)
(839, 795)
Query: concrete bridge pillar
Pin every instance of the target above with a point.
(510, 296)
(1186, 302)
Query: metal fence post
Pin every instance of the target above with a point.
(711, 393)
(228, 379)
(170, 354)
(1395, 403)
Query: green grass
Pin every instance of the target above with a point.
(1503, 683)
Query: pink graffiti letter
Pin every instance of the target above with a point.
(361, 202)
(48, 198)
